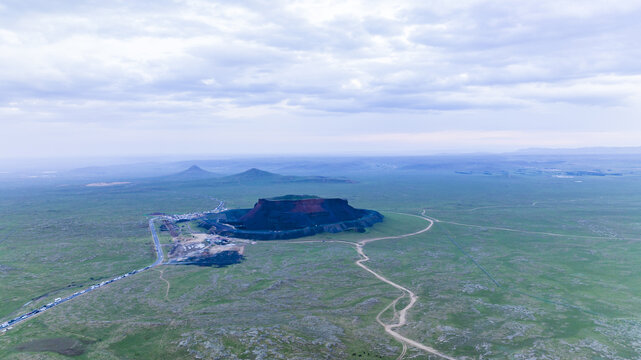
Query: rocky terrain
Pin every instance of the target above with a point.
(291, 216)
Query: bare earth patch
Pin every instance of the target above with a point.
(63, 346)
(101, 184)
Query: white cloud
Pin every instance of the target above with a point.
(209, 82)
(404, 65)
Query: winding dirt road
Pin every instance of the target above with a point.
(166, 281)
(402, 314)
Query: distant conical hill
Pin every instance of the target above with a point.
(195, 172)
(254, 175)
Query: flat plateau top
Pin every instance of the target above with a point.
(292, 197)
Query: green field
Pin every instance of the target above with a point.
(519, 267)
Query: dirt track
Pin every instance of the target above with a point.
(402, 314)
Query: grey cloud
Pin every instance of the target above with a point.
(258, 53)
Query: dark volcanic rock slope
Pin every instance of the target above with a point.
(291, 217)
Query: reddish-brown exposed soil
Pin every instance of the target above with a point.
(297, 214)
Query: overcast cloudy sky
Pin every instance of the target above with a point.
(85, 78)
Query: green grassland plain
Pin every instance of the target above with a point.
(562, 284)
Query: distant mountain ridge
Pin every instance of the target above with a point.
(257, 175)
(253, 174)
(605, 150)
(248, 177)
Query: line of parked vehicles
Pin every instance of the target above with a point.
(5, 325)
